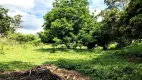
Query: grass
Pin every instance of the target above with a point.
(123, 64)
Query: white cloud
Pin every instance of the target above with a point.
(25, 31)
(97, 5)
(47, 3)
(94, 10)
(31, 23)
(34, 10)
(41, 7)
(19, 4)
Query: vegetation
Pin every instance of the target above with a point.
(73, 39)
(122, 64)
(7, 23)
(67, 24)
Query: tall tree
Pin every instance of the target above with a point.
(109, 28)
(134, 19)
(129, 20)
(5, 21)
(66, 20)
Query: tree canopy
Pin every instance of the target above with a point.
(7, 23)
(67, 22)
(4, 21)
(70, 23)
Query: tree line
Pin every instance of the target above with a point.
(70, 23)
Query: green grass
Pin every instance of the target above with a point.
(123, 64)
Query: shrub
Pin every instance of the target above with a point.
(22, 38)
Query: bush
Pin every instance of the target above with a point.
(117, 73)
(22, 38)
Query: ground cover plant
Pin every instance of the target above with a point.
(121, 64)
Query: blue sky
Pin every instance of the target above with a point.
(34, 10)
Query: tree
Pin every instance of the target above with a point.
(128, 25)
(109, 30)
(66, 21)
(134, 19)
(116, 3)
(5, 21)
(15, 24)
(88, 35)
(45, 37)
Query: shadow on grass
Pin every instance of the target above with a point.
(14, 65)
(2, 52)
(129, 54)
(105, 67)
(53, 50)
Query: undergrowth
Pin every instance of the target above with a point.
(120, 64)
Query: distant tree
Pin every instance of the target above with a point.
(22, 38)
(116, 3)
(5, 21)
(15, 24)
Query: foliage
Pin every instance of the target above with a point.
(4, 21)
(7, 23)
(134, 19)
(121, 25)
(66, 22)
(45, 37)
(109, 27)
(116, 3)
(122, 64)
(23, 38)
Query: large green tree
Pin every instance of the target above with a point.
(67, 21)
(129, 20)
(109, 30)
(133, 19)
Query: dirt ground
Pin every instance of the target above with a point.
(44, 72)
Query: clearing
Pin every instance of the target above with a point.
(123, 64)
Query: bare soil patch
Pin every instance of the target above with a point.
(44, 72)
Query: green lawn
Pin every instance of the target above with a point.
(124, 64)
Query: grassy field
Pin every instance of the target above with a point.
(123, 64)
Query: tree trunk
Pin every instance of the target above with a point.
(67, 46)
(104, 47)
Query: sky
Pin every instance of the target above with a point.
(32, 12)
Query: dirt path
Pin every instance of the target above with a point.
(44, 72)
